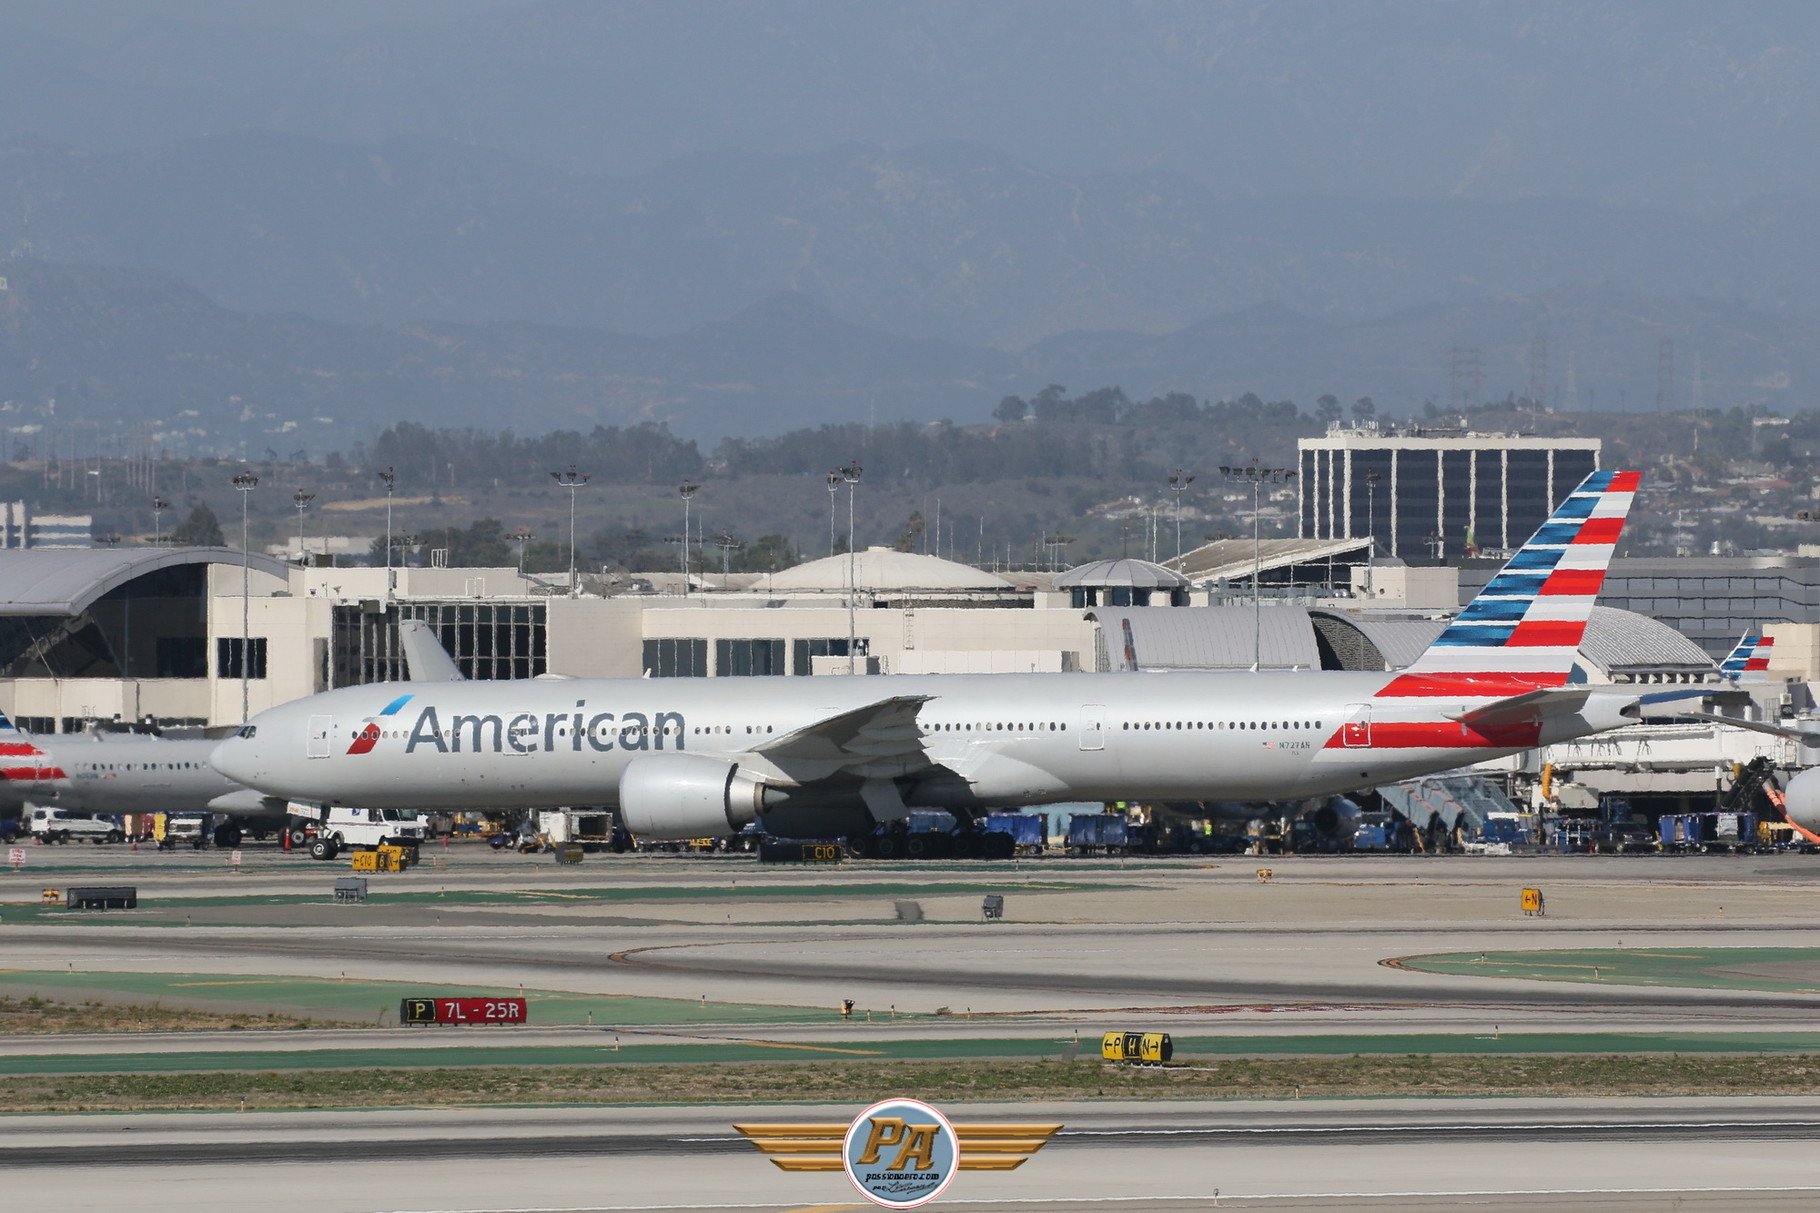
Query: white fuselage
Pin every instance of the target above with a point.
(990, 740)
(123, 773)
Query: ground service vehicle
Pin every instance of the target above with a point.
(61, 825)
(349, 829)
(1026, 830)
(1098, 833)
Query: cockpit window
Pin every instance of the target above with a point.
(248, 730)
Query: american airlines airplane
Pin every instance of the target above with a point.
(827, 756)
(126, 773)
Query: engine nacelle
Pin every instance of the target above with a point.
(669, 796)
(1338, 819)
(1803, 801)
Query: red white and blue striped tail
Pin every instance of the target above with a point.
(1749, 656)
(1523, 630)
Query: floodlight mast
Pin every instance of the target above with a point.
(687, 489)
(573, 481)
(302, 501)
(850, 473)
(390, 476)
(159, 505)
(245, 483)
(1178, 484)
(833, 487)
(1257, 477)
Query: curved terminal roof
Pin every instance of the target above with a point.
(1209, 638)
(1620, 641)
(886, 569)
(1617, 642)
(65, 581)
(1140, 574)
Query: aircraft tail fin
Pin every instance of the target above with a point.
(425, 659)
(1524, 628)
(1749, 656)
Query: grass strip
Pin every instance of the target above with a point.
(37, 1016)
(863, 1082)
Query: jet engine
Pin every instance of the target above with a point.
(687, 796)
(1337, 820)
(1802, 801)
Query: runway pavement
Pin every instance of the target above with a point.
(1603, 1154)
(1200, 948)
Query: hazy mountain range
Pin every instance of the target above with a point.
(91, 344)
(744, 215)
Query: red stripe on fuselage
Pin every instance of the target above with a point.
(1473, 686)
(1443, 735)
(31, 774)
(364, 743)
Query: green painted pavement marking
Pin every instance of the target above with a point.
(1785, 970)
(263, 993)
(407, 1054)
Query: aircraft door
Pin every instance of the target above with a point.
(321, 728)
(1356, 732)
(1093, 726)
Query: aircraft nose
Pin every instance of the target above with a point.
(235, 758)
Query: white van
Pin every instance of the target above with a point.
(345, 829)
(61, 825)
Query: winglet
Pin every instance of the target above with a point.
(425, 659)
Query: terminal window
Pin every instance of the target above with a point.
(676, 657)
(488, 640)
(227, 657)
(748, 658)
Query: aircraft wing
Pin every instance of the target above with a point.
(1804, 736)
(879, 741)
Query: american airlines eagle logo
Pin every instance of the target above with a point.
(368, 737)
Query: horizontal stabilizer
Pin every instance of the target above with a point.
(1532, 707)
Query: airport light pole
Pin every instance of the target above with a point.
(302, 501)
(573, 481)
(1178, 484)
(686, 490)
(390, 476)
(727, 545)
(245, 483)
(159, 505)
(1371, 506)
(1257, 477)
(833, 487)
(850, 474)
(521, 537)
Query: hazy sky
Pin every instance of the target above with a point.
(1684, 104)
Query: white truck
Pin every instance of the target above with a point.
(61, 825)
(342, 829)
